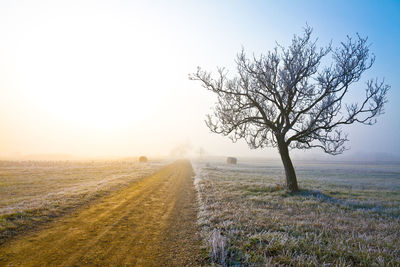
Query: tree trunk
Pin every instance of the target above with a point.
(291, 180)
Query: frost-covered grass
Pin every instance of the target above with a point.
(33, 192)
(346, 214)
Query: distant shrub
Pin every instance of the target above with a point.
(142, 159)
(231, 160)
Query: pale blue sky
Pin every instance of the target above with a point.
(110, 78)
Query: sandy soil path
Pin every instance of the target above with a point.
(150, 223)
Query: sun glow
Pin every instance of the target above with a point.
(69, 71)
(97, 70)
(84, 79)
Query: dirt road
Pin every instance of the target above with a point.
(150, 223)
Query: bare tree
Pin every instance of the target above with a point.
(288, 99)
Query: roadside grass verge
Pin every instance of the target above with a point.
(247, 218)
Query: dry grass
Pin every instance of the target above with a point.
(247, 218)
(33, 192)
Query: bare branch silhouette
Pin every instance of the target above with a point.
(286, 99)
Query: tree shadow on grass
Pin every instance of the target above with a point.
(349, 204)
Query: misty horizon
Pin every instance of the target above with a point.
(113, 82)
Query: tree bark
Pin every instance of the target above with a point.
(291, 180)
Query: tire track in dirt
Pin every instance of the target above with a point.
(150, 223)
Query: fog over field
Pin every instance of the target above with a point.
(88, 79)
(199, 133)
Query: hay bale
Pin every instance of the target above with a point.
(231, 160)
(142, 159)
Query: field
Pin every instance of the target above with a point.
(120, 213)
(346, 214)
(151, 222)
(34, 192)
